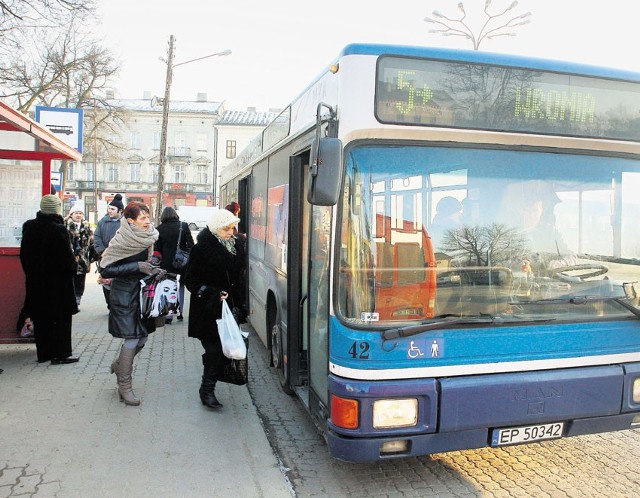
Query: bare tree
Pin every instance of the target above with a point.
(21, 14)
(67, 69)
(489, 245)
(499, 23)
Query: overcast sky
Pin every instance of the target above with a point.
(279, 46)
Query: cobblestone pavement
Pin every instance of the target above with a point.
(64, 433)
(603, 465)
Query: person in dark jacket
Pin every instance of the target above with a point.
(166, 245)
(125, 262)
(215, 273)
(81, 238)
(49, 267)
(105, 230)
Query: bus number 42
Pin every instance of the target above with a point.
(363, 349)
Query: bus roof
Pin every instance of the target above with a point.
(477, 56)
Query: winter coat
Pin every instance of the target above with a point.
(49, 267)
(124, 299)
(213, 269)
(106, 229)
(168, 242)
(81, 239)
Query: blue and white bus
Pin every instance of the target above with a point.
(443, 249)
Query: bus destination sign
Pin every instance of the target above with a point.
(498, 98)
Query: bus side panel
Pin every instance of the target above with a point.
(258, 287)
(530, 397)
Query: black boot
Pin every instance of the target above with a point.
(207, 389)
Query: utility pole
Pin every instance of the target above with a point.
(163, 132)
(165, 119)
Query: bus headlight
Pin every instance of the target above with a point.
(388, 413)
(636, 390)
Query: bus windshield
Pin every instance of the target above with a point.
(431, 232)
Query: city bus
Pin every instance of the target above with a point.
(517, 318)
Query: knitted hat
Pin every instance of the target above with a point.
(117, 202)
(51, 204)
(77, 206)
(222, 218)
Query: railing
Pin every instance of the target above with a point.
(89, 185)
(179, 152)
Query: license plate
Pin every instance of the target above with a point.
(526, 434)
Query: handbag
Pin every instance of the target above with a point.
(236, 371)
(181, 259)
(159, 295)
(231, 337)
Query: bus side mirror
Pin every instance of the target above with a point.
(325, 172)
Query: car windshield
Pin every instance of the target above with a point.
(433, 232)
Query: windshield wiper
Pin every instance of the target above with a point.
(583, 300)
(446, 321)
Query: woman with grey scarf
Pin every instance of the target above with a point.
(125, 262)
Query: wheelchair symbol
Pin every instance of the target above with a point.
(414, 351)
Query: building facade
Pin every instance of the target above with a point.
(202, 137)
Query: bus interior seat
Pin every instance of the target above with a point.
(384, 252)
(409, 257)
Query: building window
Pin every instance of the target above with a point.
(88, 171)
(202, 142)
(156, 140)
(231, 149)
(201, 173)
(135, 139)
(70, 169)
(179, 173)
(135, 172)
(112, 175)
(154, 173)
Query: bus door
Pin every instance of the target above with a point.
(308, 285)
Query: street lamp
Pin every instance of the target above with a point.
(165, 119)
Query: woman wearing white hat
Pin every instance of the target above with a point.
(215, 273)
(81, 237)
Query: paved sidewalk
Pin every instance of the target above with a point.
(63, 432)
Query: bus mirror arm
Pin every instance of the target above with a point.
(325, 168)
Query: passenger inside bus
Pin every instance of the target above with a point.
(448, 217)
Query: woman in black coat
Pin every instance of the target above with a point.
(216, 272)
(166, 245)
(49, 267)
(125, 262)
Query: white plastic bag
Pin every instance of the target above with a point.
(233, 345)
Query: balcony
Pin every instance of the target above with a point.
(89, 185)
(179, 152)
(178, 187)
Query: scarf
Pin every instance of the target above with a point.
(229, 245)
(128, 241)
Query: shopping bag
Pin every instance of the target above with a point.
(236, 371)
(159, 295)
(231, 336)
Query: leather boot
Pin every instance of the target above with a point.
(124, 369)
(208, 386)
(114, 364)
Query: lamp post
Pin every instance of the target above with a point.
(165, 119)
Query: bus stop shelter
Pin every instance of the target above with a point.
(26, 151)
